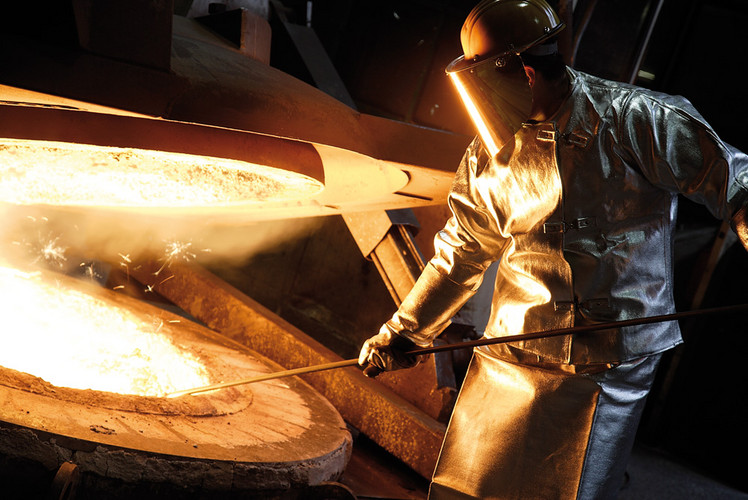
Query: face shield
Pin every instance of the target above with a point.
(496, 93)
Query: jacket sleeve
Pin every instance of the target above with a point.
(677, 150)
(463, 249)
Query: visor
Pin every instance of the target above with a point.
(496, 94)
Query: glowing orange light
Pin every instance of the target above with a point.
(475, 115)
(57, 173)
(534, 193)
(72, 339)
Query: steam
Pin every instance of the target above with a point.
(81, 242)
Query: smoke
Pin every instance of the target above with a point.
(76, 241)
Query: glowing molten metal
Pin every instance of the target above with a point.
(57, 173)
(73, 339)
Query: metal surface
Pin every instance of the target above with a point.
(263, 378)
(395, 424)
(29, 115)
(276, 436)
(398, 252)
(65, 482)
(386, 238)
(46, 118)
(213, 84)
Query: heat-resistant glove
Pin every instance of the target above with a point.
(740, 225)
(386, 351)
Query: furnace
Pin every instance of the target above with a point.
(38, 172)
(270, 437)
(182, 129)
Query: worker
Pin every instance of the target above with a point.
(571, 185)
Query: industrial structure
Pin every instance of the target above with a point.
(259, 182)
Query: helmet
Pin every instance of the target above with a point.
(496, 27)
(490, 76)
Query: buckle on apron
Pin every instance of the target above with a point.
(582, 223)
(562, 227)
(587, 305)
(578, 139)
(546, 135)
(554, 227)
(594, 304)
(564, 305)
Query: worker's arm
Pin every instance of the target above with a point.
(678, 150)
(464, 248)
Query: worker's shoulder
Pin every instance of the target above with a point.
(620, 98)
(610, 92)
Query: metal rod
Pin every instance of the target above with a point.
(581, 329)
(266, 376)
(653, 13)
(474, 343)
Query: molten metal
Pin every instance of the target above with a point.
(74, 339)
(68, 174)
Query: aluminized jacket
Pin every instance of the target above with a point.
(579, 211)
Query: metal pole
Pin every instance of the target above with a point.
(475, 343)
(641, 49)
(266, 376)
(582, 329)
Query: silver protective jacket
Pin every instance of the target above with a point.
(580, 212)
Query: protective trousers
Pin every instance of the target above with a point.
(524, 432)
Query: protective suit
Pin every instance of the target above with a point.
(579, 211)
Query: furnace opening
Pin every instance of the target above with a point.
(68, 174)
(79, 340)
(75, 341)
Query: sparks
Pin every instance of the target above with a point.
(46, 250)
(52, 253)
(125, 264)
(175, 251)
(166, 279)
(89, 271)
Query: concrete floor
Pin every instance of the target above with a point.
(373, 474)
(654, 476)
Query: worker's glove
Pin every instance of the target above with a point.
(386, 351)
(740, 225)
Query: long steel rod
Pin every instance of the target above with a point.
(266, 376)
(474, 343)
(583, 329)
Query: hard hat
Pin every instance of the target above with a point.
(490, 76)
(497, 27)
